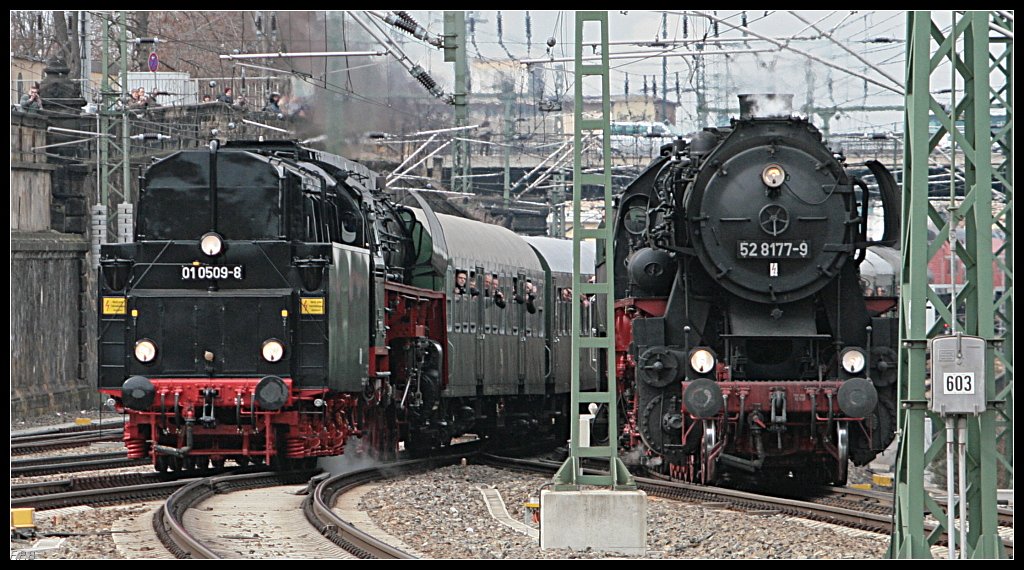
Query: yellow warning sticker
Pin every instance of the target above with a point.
(115, 306)
(312, 305)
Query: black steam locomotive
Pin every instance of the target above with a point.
(748, 344)
(275, 303)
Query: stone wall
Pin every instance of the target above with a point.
(50, 344)
(53, 315)
(30, 174)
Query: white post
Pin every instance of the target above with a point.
(950, 497)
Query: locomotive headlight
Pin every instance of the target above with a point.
(145, 350)
(272, 350)
(702, 360)
(211, 244)
(853, 360)
(773, 176)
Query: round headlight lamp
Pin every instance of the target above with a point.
(145, 350)
(773, 176)
(853, 360)
(212, 244)
(702, 360)
(272, 350)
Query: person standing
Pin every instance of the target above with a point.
(273, 104)
(31, 101)
(227, 96)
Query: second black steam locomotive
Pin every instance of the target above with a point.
(746, 341)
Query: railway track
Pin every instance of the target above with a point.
(106, 423)
(169, 524)
(25, 444)
(100, 490)
(317, 507)
(73, 463)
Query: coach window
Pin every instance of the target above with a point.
(515, 323)
(449, 299)
(492, 283)
(458, 306)
(587, 303)
(472, 287)
(536, 322)
(556, 310)
(506, 315)
(469, 309)
(517, 297)
(538, 315)
(528, 319)
(587, 314)
(495, 280)
(488, 300)
(564, 310)
(508, 296)
(491, 311)
(470, 312)
(557, 317)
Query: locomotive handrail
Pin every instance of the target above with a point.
(151, 264)
(547, 349)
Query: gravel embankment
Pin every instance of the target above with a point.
(442, 515)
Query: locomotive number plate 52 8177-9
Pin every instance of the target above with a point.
(796, 249)
(191, 272)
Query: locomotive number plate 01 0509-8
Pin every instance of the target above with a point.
(192, 272)
(798, 249)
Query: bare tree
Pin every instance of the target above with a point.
(65, 28)
(32, 34)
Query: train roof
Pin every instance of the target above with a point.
(558, 253)
(471, 244)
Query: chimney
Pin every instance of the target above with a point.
(765, 105)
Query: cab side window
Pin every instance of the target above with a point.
(314, 225)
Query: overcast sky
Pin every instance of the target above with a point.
(771, 70)
(877, 36)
